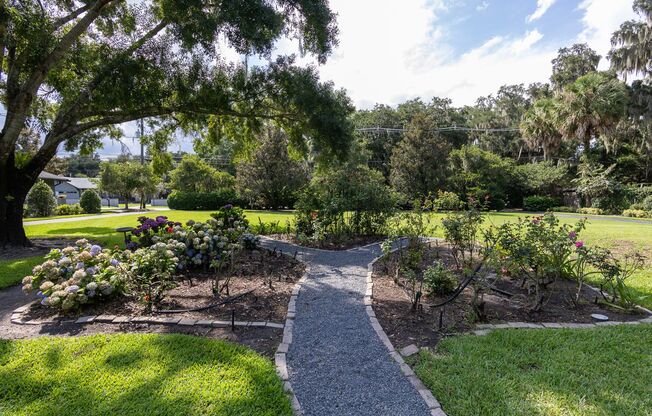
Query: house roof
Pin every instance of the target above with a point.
(81, 183)
(52, 176)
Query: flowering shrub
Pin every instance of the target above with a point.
(149, 228)
(149, 272)
(75, 275)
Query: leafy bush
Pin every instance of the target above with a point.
(150, 231)
(591, 211)
(538, 249)
(353, 200)
(193, 201)
(439, 280)
(75, 275)
(563, 209)
(150, 272)
(90, 202)
(231, 216)
(647, 203)
(543, 177)
(68, 209)
(637, 213)
(447, 201)
(461, 231)
(539, 203)
(193, 175)
(40, 200)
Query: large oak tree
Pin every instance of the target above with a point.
(73, 69)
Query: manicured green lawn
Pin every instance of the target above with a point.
(13, 271)
(129, 374)
(605, 371)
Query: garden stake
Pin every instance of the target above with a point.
(233, 320)
(441, 318)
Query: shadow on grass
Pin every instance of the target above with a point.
(136, 374)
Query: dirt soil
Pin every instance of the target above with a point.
(252, 275)
(331, 244)
(427, 325)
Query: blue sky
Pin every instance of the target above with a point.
(393, 50)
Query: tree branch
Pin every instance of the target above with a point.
(73, 15)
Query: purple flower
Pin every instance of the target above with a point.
(95, 250)
(72, 289)
(132, 245)
(136, 232)
(572, 234)
(146, 227)
(91, 270)
(227, 206)
(161, 219)
(44, 301)
(114, 262)
(579, 244)
(79, 265)
(40, 294)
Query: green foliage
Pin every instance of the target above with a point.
(447, 201)
(538, 249)
(193, 175)
(539, 127)
(190, 201)
(591, 211)
(637, 213)
(419, 162)
(231, 216)
(127, 179)
(572, 63)
(271, 178)
(148, 272)
(40, 200)
(485, 177)
(647, 203)
(352, 200)
(69, 209)
(461, 231)
(543, 178)
(600, 189)
(439, 280)
(631, 43)
(90, 202)
(563, 209)
(539, 203)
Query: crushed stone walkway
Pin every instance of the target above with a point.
(336, 362)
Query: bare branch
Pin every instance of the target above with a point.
(73, 15)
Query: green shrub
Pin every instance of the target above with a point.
(40, 200)
(90, 202)
(637, 206)
(68, 209)
(539, 203)
(591, 211)
(447, 201)
(194, 201)
(637, 213)
(439, 280)
(563, 209)
(647, 203)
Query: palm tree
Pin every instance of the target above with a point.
(539, 126)
(632, 43)
(591, 107)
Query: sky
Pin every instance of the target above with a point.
(393, 50)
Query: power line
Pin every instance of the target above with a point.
(444, 129)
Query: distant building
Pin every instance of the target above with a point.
(52, 180)
(71, 189)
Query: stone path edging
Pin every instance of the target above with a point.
(433, 405)
(280, 358)
(17, 319)
(484, 329)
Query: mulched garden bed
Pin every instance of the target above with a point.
(392, 306)
(39, 247)
(265, 279)
(330, 244)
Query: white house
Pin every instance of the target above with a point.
(69, 190)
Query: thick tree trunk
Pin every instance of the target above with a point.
(14, 186)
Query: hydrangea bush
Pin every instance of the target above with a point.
(75, 275)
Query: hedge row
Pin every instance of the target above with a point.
(195, 201)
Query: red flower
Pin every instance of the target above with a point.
(169, 230)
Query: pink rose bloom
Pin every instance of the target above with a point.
(579, 244)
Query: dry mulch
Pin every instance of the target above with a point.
(426, 326)
(39, 247)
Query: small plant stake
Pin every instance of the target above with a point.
(441, 318)
(233, 320)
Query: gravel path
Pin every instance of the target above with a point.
(337, 363)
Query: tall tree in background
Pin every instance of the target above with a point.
(419, 161)
(271, 178)
(632, 43)
(128, 179)
(75, 69)
(591, 108)
(572, 63)
(539, 126)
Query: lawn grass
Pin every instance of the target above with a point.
(13, 271)
(136, 374)
(604, 371)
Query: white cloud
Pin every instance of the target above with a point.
(601, 18)
(482, 6)
(542, 8)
